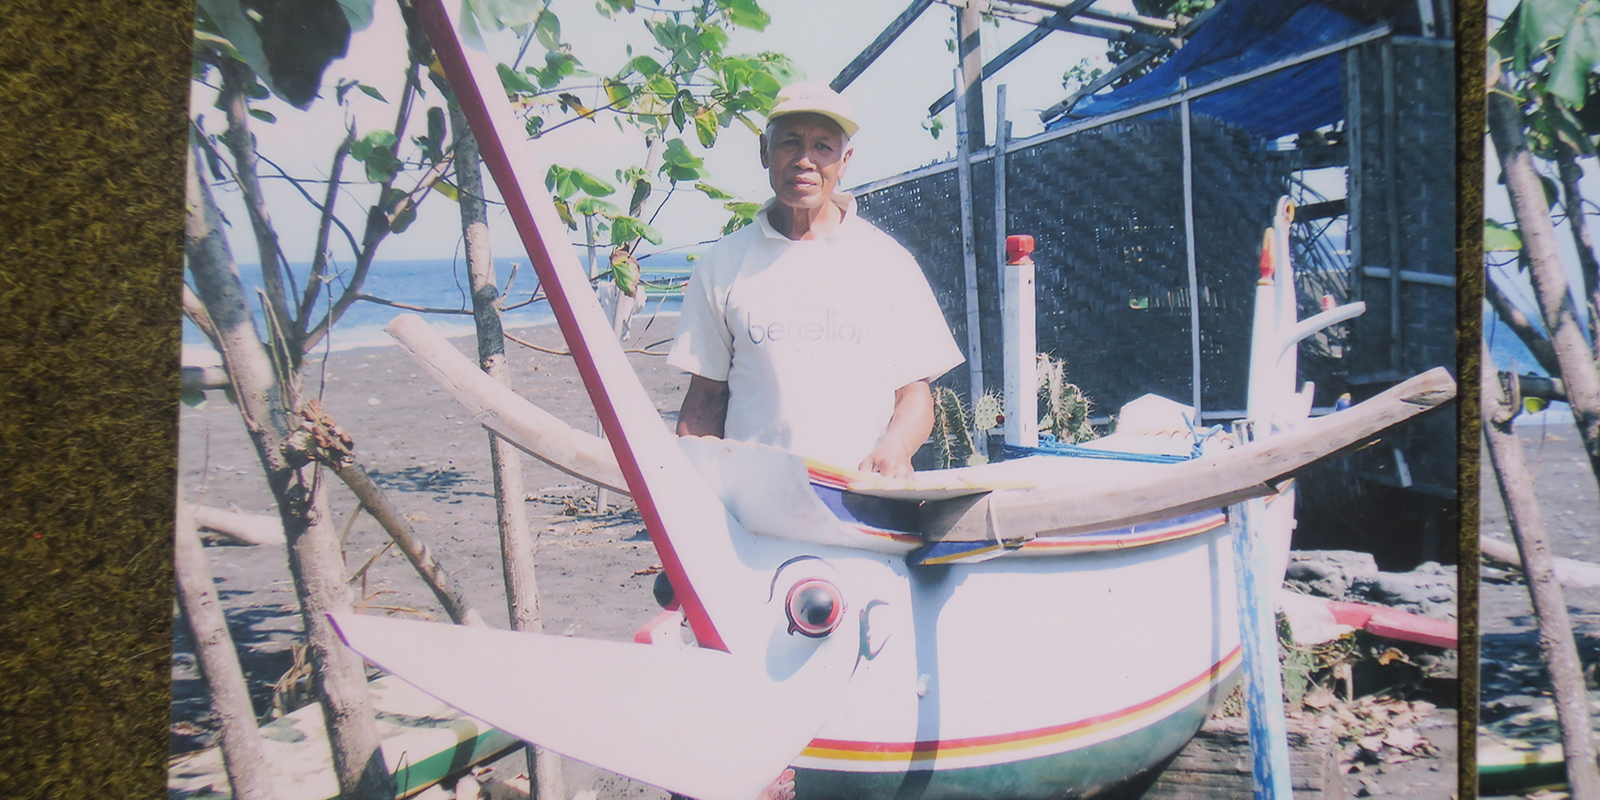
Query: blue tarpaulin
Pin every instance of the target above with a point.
(1242, 35)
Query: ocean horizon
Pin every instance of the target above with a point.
(433, 283)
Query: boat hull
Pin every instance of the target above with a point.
(1115, 768)
(1037, 677)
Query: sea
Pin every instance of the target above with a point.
(443, 284)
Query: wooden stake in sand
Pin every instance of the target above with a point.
(1556, 645)
(248, 772)
(516, 545)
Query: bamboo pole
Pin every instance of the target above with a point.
(1556, 645)
(246, 764)
(860, 63)
(516, 544)
(969, 97)
(969, 253)
(1189, 250)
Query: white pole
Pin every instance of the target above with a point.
(1021, 401)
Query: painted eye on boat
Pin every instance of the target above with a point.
(814, 607)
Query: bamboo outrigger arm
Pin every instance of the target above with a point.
(505, 413)
(1253, 470)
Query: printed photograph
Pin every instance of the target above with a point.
(731, 399)
(1539, 606)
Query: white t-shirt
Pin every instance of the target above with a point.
(812, 337)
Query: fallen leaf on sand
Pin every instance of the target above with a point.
(650, 570)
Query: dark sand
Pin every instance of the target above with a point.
(433, 460)
(1513, 680)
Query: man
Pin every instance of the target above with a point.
(812, 330)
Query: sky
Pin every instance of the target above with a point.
(890, 102)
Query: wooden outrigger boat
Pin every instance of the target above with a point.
(1042, 627)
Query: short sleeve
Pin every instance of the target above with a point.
(926, 348)
(703, 346)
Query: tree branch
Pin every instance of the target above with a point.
(236, 80)
(1572, 201)
(319, 262)
(1520, 325)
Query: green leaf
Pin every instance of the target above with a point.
(264, 116)
(372, 93)
(363, 147)
(257, 91)
(514, 83)
(1538, 22)
(590, 206)
(743, 214)
(230, 23)
(447, 189)
(382, 164)
(1580, 50)
(564, 212)
(558, 64)
(436, 132)
(625, 229)
(566, 182)
(1497, 238)
(618, 93)
(646, 66)
(592, 185)
(624, 270)
(745, 14)
(533, 126)
(712, 192)
(679, 164)
(705, 127)
(1552, 192)
(548, 30)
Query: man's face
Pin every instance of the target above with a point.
(805, 156)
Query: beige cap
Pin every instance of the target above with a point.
(814, 98)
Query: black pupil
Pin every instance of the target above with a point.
(815, 605)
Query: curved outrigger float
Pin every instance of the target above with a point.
(1041, 627)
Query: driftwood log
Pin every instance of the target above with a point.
(246, 529)
(1570, 572)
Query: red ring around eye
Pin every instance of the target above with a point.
(814, 608)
